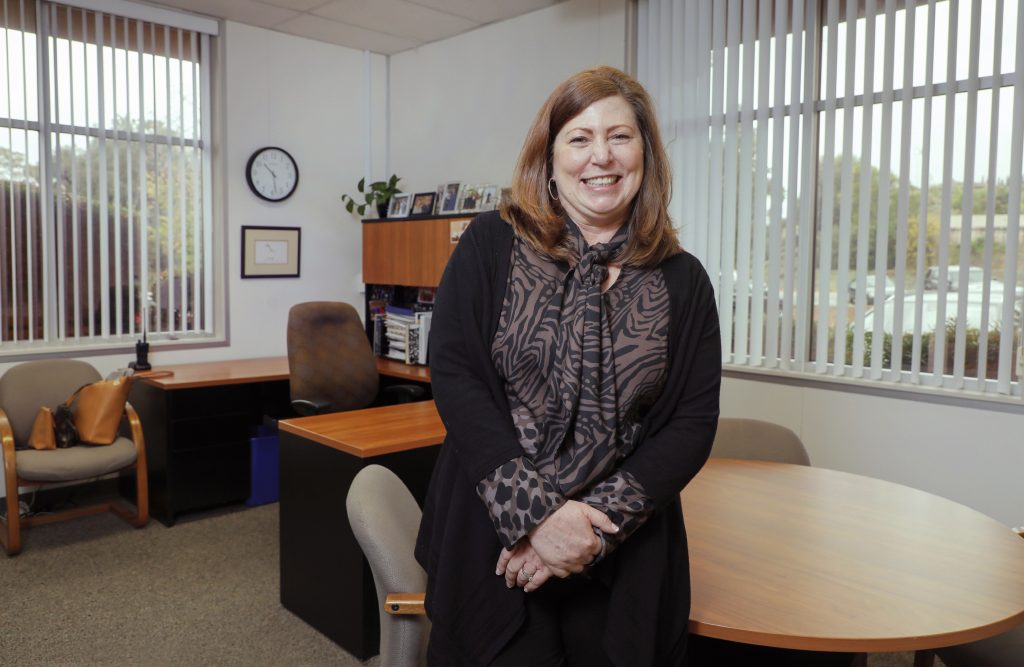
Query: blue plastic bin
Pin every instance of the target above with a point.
(264, 484)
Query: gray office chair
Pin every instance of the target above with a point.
(1005, 650)
(385, 519)
(758, 440)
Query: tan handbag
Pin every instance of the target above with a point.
(98, 407)
(42, 431)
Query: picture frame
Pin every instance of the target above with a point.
(451, 196)
(423, 204)
(398, 207)
(271, 252)
(488, 197)
(504, 195)
(470, 199)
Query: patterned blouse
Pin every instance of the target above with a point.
(581, 368)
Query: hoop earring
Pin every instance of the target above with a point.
(552, 192)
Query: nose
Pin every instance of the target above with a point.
(601, 153)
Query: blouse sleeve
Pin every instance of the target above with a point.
(518, 499)
(623, 499)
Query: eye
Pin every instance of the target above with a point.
(578, 139)
(621, 137)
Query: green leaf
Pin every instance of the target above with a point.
(361, 184)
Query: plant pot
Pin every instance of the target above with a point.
(382, 209)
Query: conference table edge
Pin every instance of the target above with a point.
(854, 644)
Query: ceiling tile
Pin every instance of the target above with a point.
(243, 11)
(335, 32)
(397, 17)
(485, 11)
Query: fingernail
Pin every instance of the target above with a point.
(508, 585)
(497, 572)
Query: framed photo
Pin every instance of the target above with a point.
(470, 199)
(423, 203)
(488, 197)
(504, 195)
(449, 198)
(271, 252)
(399, 206)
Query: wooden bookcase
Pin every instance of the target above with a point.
(411, 252)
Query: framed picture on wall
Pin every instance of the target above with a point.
(449, 198)
(271, 252)
(423, 203)
(399, 207)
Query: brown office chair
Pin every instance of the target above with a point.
(23, 390)
(758, 440)
(385, 518)
(331, 365)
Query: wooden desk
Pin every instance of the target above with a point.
(325, 579)
(199, 420)
(808, 558)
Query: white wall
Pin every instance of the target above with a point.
(971, 455)
(460, 108)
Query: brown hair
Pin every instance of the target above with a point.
(539, 220)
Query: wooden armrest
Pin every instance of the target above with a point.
(6, 432)
(405, 603)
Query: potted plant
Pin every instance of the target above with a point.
(378, 192)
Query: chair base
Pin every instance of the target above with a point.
(10, 532)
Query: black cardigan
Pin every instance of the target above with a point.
(472, 611)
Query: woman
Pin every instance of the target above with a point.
(575, 362)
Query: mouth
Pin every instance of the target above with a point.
(601, 181)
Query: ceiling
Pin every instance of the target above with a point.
(381, 26)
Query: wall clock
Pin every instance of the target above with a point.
(272, 174)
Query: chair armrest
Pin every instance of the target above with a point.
(307, 408)
(136, 427)
(405, 603)
(402, 393)
(7, 438)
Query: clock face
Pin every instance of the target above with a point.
(272, 174)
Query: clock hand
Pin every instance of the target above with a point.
(272, 174)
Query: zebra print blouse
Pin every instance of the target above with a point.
(581, 368)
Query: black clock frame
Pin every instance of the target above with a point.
(248, 173)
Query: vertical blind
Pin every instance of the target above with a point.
(106, 223)
(849, 172)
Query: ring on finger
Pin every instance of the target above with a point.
(525, 574)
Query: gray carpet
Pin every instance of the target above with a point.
(205, 592)
(94, 591)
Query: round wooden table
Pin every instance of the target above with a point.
(809, 558)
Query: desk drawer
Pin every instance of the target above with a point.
(210, 477)
(201, 402)
(210, 432)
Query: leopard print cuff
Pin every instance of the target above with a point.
(518, 499)
(623, 499)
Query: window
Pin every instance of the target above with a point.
(849, 172)
(105, 214)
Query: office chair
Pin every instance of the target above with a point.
(331, 365)
(758, 440)
(385, 518)
(23, 390)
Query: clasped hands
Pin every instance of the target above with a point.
(563, 544)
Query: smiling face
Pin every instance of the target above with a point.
(597, 161)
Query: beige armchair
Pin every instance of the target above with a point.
(23, 390)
